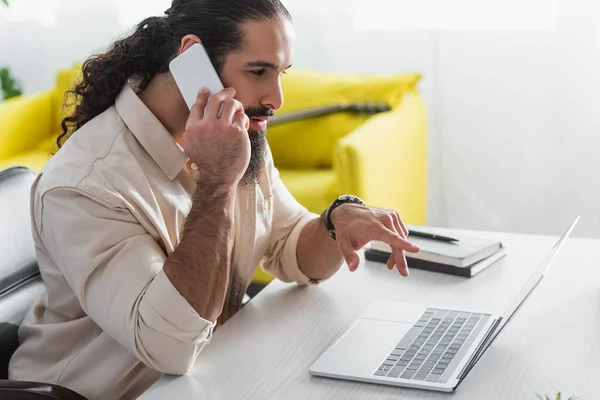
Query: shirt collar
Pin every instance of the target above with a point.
(150, 133)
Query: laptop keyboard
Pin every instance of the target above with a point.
(428, 349)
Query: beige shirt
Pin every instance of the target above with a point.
(107, 210)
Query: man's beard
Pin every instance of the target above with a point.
(258, 146)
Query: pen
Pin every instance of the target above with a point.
(432, 236)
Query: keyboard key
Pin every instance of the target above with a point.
(433, 378)
(393, 358)
(408, 374)
(420, 377)
(406, 358)
(398, 353)
(437, 371)
(395, 372)
(408, 338)
(387, 368)
(380, 373)
(388, 362)
(414, 366)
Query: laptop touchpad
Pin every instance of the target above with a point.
(362, 349)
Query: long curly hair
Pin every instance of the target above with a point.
(154, 43)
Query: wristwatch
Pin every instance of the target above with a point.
(347, 198)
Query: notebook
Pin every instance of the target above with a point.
(464, 253)
(468, 272)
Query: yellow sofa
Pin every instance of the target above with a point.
(380, 158)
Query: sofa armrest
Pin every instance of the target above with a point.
(21, 390)
(384, 161)
(24, 123)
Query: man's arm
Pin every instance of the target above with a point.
(199, 268)
(319, 256)
(115, 268)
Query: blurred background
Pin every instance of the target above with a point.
(512, 89)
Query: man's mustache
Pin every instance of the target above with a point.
(259, 112)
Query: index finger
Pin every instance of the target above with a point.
(395, 240)
(197, 110)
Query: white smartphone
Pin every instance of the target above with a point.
(192, 71)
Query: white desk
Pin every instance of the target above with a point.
(552, 343)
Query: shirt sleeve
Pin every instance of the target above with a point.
(115, 268)
(289, 219)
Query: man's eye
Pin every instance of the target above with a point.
(259, 72)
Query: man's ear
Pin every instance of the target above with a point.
(187, 41)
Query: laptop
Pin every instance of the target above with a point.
(417, 346)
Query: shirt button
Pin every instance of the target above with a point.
(194, 166)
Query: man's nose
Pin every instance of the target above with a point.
(274, 98)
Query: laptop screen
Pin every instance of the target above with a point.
(536, 277)
(532, 282)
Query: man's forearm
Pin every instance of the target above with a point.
(318, 255)
(200, 266)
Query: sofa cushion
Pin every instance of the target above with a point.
(24, 123)
(309, 143)
(315, 189)
(34, 160)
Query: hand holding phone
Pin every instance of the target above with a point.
(192, 71)
(216, 133)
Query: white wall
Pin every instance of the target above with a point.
(514, 128)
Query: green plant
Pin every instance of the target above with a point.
(558, 397)
(9, 85)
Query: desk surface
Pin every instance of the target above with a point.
(552, 344)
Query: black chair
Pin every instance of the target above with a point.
(20, 282)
